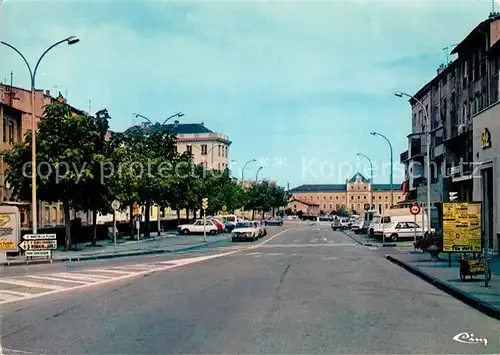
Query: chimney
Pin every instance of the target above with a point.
(176, 123)
(47, 93)
(202, 124)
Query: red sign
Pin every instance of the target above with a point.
(415, 209)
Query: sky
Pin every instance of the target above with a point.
(296, 85)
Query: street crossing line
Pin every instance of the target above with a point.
(111, 271)
(55, 279)
(82, 277)
(16, 293)
(8, 298)
(30, 284)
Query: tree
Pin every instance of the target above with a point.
(258, 197)
(279, 197)
(66, 144)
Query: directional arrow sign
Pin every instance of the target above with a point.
(38, 244)
(39, 236)
(34, 253)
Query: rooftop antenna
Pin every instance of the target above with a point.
(90, 106)
(447, 49)
(11, 79)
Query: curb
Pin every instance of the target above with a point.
(110, 256)
(469, 300)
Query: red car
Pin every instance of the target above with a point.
(220, 225)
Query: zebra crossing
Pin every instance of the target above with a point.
(24, 287)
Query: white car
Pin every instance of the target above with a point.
(357, 226)
(198, 227)
(246, 230)
(404, 230)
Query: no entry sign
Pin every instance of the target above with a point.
(415, 209)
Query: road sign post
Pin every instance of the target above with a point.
(115, 205)
(204, 205)
(38, 245)
(415, 210)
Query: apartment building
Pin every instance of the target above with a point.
(460, 90)
(352, 196)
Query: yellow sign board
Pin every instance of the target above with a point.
(462, 227)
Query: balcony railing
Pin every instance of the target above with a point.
(457, 169)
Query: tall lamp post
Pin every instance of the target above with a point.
(371, 177)
(69, 40)
(244, 167)
(428, 153)
(392, 163)
(257, 173)
(178, 114)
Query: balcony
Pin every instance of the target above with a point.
(403, 157)
(459, 169)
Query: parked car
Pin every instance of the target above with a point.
(357, 226)
(198, 227)
(345, 223)
(404, 230)
(219, 224)
(277, 221)
(246, 230)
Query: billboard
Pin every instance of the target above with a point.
(461, 227)
(9, 229)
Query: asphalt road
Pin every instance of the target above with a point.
(307, 290)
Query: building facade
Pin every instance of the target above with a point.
(205, 146)
(460, 90)
(351, 196)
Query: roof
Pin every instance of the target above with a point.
(495, 48)
(472, 36)
(319, 188)
(303, 202)
(176, 128)
(340, 188)
(444, 70)
(358, 176)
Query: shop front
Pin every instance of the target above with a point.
(486, 171)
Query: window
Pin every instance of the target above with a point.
(337, 197)
(5, 129)
(386, 206)
(330, 197)
(189, 149)
(380, 197)
(359, 197)
(11, 132)
(218, 147)
(364, 187)
(203, 149)
(226, 149)
(386, 197)
(364, 197)
(352, 197)
(352, 206)
(336, 206)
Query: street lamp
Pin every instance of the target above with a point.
(371, 177)
(257, 173)
(392, 163)
(243, 167)
(428, 153)
(69, 40)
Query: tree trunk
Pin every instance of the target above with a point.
(94, 227)
(195, 213)
(187, 214)
(67, 223)
(273, 212)
(253, 215)
(178, 216)
(147, 219)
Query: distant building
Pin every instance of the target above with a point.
(352, 196)
(206, 147)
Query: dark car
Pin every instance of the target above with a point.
(274, 222)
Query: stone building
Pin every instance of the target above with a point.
(352, 196)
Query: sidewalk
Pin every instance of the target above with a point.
(167, 242)
(471, 292)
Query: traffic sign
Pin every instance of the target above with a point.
(46, 244)
(453, 196)
(115, 205)
(33, 253)
(367, 206)
(39, 236)
(415, 209)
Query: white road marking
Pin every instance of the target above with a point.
(110, 271)
(82, 277)
(274, 254)
(16, 293)
(55, 279)
(7, 297)
(250, 254)
(331, 258)
(99, 281)
(30, 284)
(316, 245)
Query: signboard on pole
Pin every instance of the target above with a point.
(45, 244)
(38, 253)
(461, 227)
(10, 227)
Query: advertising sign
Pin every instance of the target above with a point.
(47, 244)
(461, 227)
(9, 232)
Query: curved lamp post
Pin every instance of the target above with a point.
(371, 177)
(257, 173)
(392, 163)
(428, 152)
(69, 40)
(244, 167)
